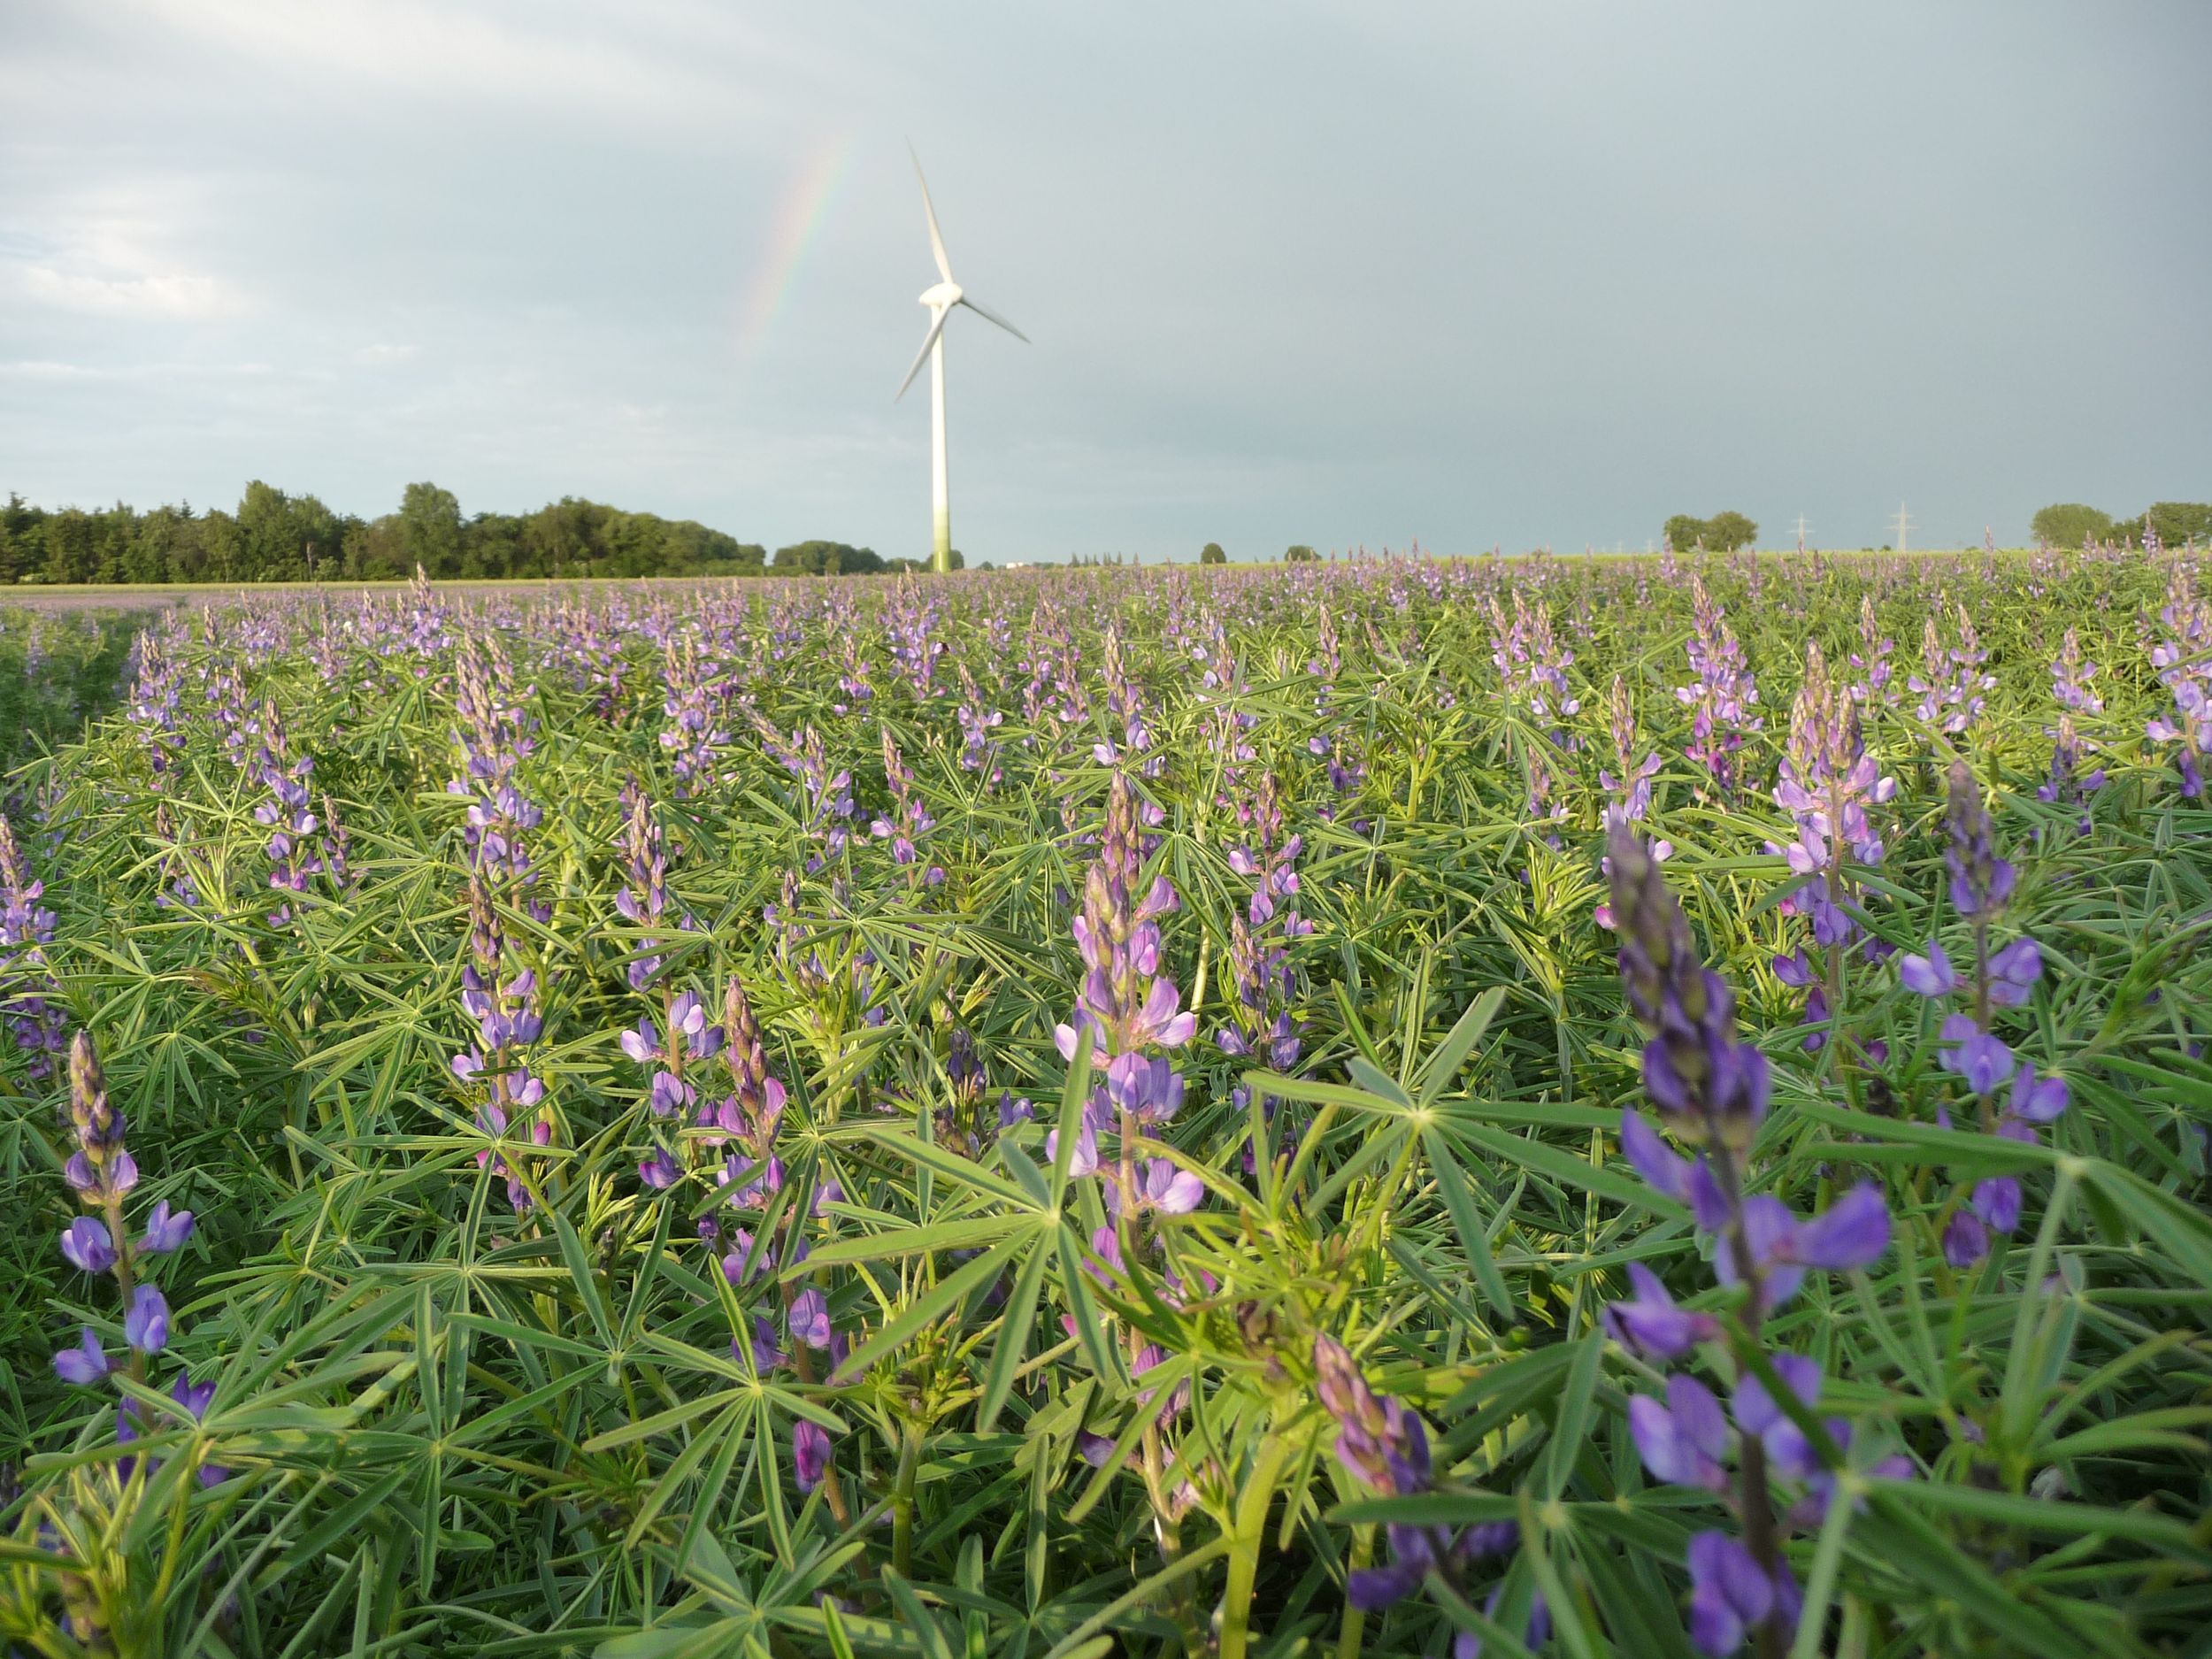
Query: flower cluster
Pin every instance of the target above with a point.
(909, 820)
(1722, 698)
(1711, 1091)
(502, 997)
(494, 737)
(1631, 787)
(103, 1173)
(1951, 679)
(1385, 1447)
(1261, 979)
(693, 701)
(2068, 785)
(1981, 883)
(978, 720)
(301, 844)
(29, 993)
(1126, 1002)
(1828, 782)
(2183, 661)
(1871, 659)
(1129, 733)
(1532, 665)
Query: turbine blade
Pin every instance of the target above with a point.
(985, 312)
(936, 328)
(936, 241)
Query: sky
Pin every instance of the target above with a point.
(1468, 275)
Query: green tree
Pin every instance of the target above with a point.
(1728, 531)
(826, 558)
(1211, 554)
(1684, 533)
(20, 527)
(2069, 524)
(1299, 553)
(2175, 522)
(430, 528)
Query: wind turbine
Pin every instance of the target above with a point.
(940, 298)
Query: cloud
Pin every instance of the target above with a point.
(658, 63)
(169, 295)
(42, 369)
(382, 352)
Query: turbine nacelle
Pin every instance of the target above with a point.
(942, 296)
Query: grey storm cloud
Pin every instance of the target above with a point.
(1336, 274)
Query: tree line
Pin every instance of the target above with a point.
(2070, 524)
(276, 537)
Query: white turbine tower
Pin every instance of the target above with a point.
(941, 299)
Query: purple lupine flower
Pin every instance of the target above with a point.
(1982, 1060)
(1651, 1323)
(193, 1399)
(1732, 1596)
(1162, 1186)
(660, 1172)
(101, 1168)
(810, 1453)
(765, 1349)
(2067, 783)
(1705, 1084)
(1083, 1160)
(1852, 1233)
(747, 1258)
(86, 1244)
(1145, 1088)
(1788, 1451)
(910, 820)
(27, 988)
(1873, 660)
(1980, 880)
(1380, 1441)
(2035, 1100)
(1723, 694)
(146, 1323)
(2013, 972)
(1996, 1203)
(1965, 1239)
(1385, 1447)
(2182, 659)
(167, 1230)
(1930, 976)
(809, 1318)
(1123, 998)
(84, 1364)
(1682, 1441)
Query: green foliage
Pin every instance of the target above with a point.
(2176, 523)
(2070, 525)
(57, 671)
(1211, 554)
(442, 1425)
(276, 537)
(1722, 532)
(825, 558)
(1299, 553)
(1725, 532)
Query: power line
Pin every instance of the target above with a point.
(1904, 524)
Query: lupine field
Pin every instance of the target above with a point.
(1508, 1107)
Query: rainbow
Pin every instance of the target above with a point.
(800, 213)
